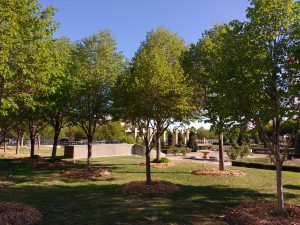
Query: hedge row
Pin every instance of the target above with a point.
(265, 166)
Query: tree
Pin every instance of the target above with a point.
(260, 72)
(57, 104)
(152, 93)
(25, 34)
(204, 65)
(192, 142)
(96, 66)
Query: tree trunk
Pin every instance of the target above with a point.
(89, 158)
(158, 148)
(18, 144)
(5, 146)
(38, 137)
(32, 142)
(279, 187)
(55, 140)
(221, 153)
(148, 166)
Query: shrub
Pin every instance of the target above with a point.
(238, 152)
(182, 150)
(162, 160)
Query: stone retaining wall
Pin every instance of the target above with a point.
(106, 150)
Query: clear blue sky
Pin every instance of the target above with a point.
(129, 20)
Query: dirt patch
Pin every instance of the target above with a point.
(293, 162)
(158, 165)
(53, 165)
(215, 172)
(18, 214)
(6, 184)
(263, 213)
(93, 174)
(156, 187)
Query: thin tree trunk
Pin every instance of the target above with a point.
(5, 146)
(148, 166)
(38, 137)
(55, 139)
(221, 153)
(18, 144)
(89, 158)
(279, 187)
(158, 148)
(32, 142)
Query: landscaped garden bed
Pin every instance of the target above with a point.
(6, 184)
(263, 213)
(93, 174)
(156, 187)
(18, 214)
(219, 173)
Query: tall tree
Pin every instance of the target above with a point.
(152, 93)
(57, 104)
(204, 66)
(96, 66)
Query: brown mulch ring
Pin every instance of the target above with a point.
(216, 172)
(6, 184)
(156, 187)
(158, 165)
(44, 163)
(263, 213)
(18, 214)
(93, 174)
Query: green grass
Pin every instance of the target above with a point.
(201, 199)
(265, 160)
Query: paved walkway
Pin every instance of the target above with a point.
(197, 157)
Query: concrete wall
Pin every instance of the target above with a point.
(105, 150)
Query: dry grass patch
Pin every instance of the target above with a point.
(263, 213)
(18, 214)
(218, 173)
(93, 174)
(156, 187)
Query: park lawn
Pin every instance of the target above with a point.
(202, 200)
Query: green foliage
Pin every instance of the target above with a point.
(192, 142)
(238, 152)
(178, 150)
(162, 160)
(203, 133)
(25, 54)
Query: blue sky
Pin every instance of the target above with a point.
(129, 20)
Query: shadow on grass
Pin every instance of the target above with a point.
(107, 204)
(291, 186)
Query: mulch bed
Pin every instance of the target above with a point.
(43, 163)
(18, 214)
(263, 213)
(156, 187)
(218, 173)
(84, 174)
(158, 165)
(6, 184)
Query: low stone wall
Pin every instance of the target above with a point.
(106, 150)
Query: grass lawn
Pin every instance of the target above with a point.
(202, 200)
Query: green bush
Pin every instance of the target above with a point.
(238, 152)
(162, 160)
(176, 150)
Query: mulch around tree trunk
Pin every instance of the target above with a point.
(4, 184)
(44, 163)
(263, 213)
(156, 187)
(84, 174)
(18, 214)
(216, 172)
(158, 165)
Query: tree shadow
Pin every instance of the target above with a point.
(291, 186)
(97, 203)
